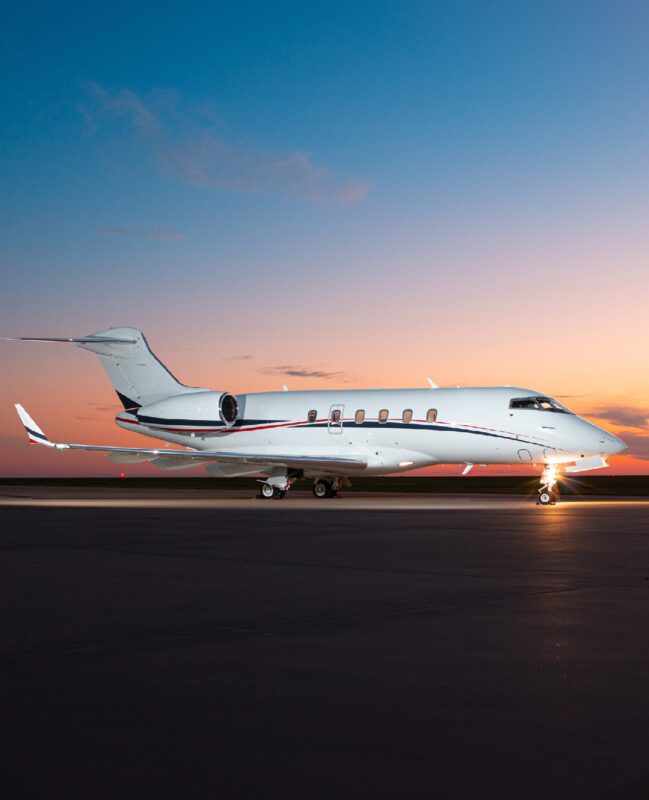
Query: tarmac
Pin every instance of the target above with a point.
(213, 645)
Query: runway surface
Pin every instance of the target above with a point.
(369, 646)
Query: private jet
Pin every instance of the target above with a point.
(334, 435)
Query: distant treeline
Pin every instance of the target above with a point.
(637, 485)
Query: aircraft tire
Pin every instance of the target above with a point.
(547, 499)
(322, 489)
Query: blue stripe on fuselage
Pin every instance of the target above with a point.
(211, 423)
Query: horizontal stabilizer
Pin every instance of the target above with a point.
(137, 375)
(77, 340)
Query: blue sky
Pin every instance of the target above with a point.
(442, 118)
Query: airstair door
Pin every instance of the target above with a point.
(336, 419)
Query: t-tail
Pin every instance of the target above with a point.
(138, 377)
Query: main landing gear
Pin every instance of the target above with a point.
(549, 489)
(267, 491)
(276, 486)
(322, 488)
(329, 487)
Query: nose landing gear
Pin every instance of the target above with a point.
(549, 490)
(547, 498)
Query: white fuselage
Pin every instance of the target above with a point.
(447, 426)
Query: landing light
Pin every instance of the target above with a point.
(406, 463)
(550, 475)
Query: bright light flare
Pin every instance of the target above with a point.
(550, 476)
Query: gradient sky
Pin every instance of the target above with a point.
(372, 192)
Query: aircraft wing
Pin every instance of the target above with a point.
(185, 457)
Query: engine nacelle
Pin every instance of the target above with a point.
(228, 408)
(200, 408)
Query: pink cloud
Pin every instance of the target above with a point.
(189, 147)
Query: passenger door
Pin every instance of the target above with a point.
(335, 424)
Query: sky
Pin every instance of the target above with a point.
(324, 194)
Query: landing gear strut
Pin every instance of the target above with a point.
(549, 490)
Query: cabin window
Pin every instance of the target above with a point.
(359, 417)
(383, 415)
(431, 415)
(335, 416)
(312, 415)
(407, 415)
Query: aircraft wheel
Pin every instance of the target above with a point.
(322, 489)
(280, 494)
(547, 499)
(267, 491)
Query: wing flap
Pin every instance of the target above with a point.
(130, 458)
(292, 460)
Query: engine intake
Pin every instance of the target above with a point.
(228, 408)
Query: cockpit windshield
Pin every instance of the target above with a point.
(539, 404)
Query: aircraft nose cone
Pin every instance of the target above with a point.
(612, 445)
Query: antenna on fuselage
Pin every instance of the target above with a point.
(432, 383)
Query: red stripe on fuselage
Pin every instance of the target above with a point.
(216, 430)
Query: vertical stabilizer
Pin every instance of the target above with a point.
(138, 376)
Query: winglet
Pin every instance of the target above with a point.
(34, 433)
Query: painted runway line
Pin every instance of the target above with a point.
(298, 501)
